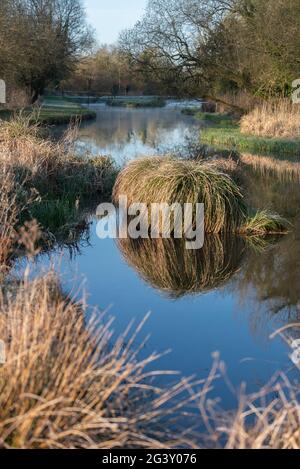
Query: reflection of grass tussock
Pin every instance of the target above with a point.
(169, 180)
(64, 385)
(168, 266)
(158, 180)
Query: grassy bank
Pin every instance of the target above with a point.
(43, 179)
(225, 132)
(53, 114)
(136, 102)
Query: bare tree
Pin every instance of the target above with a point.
(44, 40)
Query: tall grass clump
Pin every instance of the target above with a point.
(264, 222)
(169, 180)
(65, 384)
(279, 119)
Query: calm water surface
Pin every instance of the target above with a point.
(229, 298)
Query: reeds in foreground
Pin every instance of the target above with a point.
(266, 419)
(66, 384)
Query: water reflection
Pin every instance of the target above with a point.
(126, 134)
(169, 267)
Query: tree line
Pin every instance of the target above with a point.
(41, 42)
(180, 47)
(210, 47)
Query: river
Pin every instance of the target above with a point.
(250, 292)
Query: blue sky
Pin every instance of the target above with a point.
(109, 17)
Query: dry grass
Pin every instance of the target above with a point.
(280, 119)
(168, 180)
(9, 212)
(48, 166)
(168, 266)
(66, 385)
(267, 419)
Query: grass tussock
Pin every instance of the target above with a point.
(264, 222)
(169, 267)
(169, 180)
(65, 385)
(280, 119)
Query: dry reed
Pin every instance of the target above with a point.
(276, 119)
(64, 384)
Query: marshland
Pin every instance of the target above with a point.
(142, 343)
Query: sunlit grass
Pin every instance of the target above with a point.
(169, 180)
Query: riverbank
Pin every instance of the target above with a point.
(53, 114)
(224, 131)
(46, 181)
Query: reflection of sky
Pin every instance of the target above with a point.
(192, 327)
(127, 134)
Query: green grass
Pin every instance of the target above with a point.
(71, 99)
(264, 222)
(56, 115)
(53, 115)
(225, 133)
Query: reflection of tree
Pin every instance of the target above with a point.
(169, 267)
(273, 191)
(120, 126)
(272, 279)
